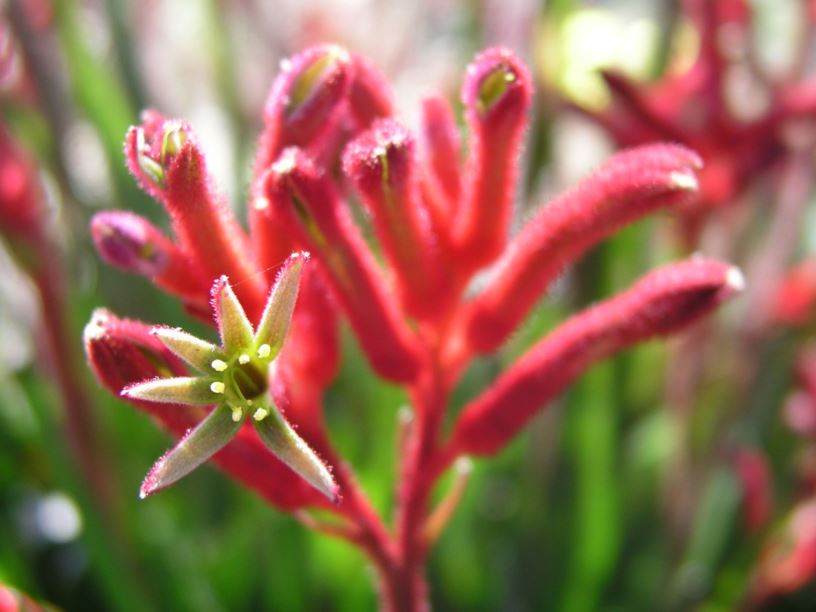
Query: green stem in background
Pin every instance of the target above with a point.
(119, 21)
(123, 590)
(592, 432)
(713, 528)
(98, 95)
(223, 53)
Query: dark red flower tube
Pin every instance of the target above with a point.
(122, 352)
(662, 302)
(130, 242)
(168, 162)
(496, 93)
(381, 164)
(630, 185)
(304, 107)
(313, 214)
(312, 348)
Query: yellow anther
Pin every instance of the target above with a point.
(264, 351)
(218, 387)
(260, 414)
(243, 359)
(218, 365)
(237, 413)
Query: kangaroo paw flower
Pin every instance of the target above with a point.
(661, 303)
(630, 185)
(235, 377)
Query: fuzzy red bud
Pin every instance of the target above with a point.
(662, 302)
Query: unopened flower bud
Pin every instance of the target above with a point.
(496, 93)
(308, 204)
(662, 302)
(381, 164)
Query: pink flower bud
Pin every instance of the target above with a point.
(132, 243)
(311, 210)
(630, 185)
(496, 93)
(165, 156)
(381, 164)
(304, 108)
(305, 101)
(662, 302)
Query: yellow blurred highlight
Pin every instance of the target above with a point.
(570, 55)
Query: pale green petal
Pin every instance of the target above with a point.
(201, 443)
(290, 448)
(198, 353)
(233, 325)
(190, 390)
(278, 311)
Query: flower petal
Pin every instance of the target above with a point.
(278, 311)
(201, 443)
(293, 451)
(190, 390)
(198, 353)
(233, 324)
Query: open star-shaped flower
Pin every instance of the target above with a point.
(234, 378)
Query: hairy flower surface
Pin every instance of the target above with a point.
(331, 138)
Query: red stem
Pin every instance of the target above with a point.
(56, 346)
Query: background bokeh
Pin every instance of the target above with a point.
(627, 495)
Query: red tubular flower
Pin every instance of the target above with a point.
(442, 181)
(304, 107)
(757, 501)
(309, 206)
(381, 164)
(496, 93)
(122, 352)
(662, 302)
(169, 164)
(630, 185)
(436, 224)
(369, 95)
(132, 243)
(21, 212)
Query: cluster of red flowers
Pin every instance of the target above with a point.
(331, 137)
